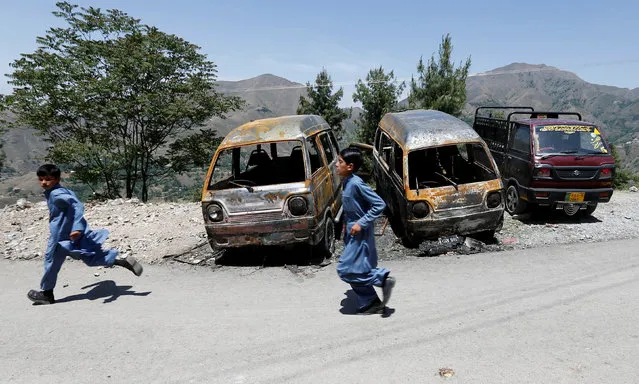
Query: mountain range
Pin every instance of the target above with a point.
(544, 87)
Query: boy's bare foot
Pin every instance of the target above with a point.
(129, 262)
(41, 297)
(387, 289)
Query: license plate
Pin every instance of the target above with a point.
(575, 197)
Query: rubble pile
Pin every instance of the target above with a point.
(155, 232)
(149, 231)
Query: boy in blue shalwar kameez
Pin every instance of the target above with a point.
(70, 236)
(358, 264)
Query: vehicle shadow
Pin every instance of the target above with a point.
(106, 289)
(547, 216)
(269, 256)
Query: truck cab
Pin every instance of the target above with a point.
(548, 159)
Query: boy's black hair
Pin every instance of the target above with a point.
(48, 170)
(352, 155)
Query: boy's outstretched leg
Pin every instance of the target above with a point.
(52, 264)
(129, 262)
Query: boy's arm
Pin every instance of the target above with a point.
(377, 205)
(54, 236)
(72, 208)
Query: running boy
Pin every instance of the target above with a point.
(358, 264)
(70, 236)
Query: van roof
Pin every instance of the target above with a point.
(422, 128)
(281, 128)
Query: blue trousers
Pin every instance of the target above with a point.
(53, 262)
(363, 283)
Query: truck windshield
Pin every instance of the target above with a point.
(259, 164)
(569, 139)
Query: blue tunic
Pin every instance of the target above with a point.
(358, 264)
(66, 215)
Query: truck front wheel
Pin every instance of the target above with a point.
(514, 204)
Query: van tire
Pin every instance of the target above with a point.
(410, 241)
(514, 204)
(395, 225)
(326, 247)
(590, 208)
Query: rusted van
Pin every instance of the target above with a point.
(273, 182)
(437, 177)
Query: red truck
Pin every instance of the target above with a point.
(548, 159)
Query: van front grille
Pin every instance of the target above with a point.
(255, 217)
(576, 173)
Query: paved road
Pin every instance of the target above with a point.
(551, 315)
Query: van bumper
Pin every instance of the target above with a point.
(453, 222)
(280, 232)
(553, 196)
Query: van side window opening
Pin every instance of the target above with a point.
(521, 139)
(334, 141)
(385, 148)
(442, 166)
(398, 160)
(257, 165)
(328, 149)
(314, 154)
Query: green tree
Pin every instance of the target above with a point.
(323, 102)
(2, 123)
(621, 177)
(111, 94)
(378, 96)
(440, 85)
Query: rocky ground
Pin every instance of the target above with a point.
(161, 232)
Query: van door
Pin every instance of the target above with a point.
(518, 164)
(382, 155)
(321, 184)
(331, 153)
(389, 172)
(397, 177)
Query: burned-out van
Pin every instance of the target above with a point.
(436, 176)
(273, 182)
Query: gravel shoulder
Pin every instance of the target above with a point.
(155, 232)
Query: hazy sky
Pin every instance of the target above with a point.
(598, 41)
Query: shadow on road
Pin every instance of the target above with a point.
(106, 289)
(548, 216)
(349, 305)
(269, 256)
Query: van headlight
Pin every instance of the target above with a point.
(420, 210)
(297, 206)
(493, 199)
(215, 212)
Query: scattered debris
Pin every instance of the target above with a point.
(22, 204)
(446, 372)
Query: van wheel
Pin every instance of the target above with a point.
(326, 246)
(590, 208)
(514, 204)
(410, 241)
